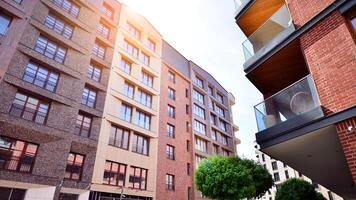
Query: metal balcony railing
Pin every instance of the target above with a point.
(270, 33)
(297, 99)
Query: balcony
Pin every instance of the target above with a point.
(293, 106)
(240, 5)
(272, 32)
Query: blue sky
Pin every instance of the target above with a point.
(204, 31)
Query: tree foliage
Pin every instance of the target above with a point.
(297, 189)
(231, 178)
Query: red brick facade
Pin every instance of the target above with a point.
(177, 167)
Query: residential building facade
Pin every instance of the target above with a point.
(282, 172)
(300, 56)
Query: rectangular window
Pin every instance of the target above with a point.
(74, 166)
(68, 6)
(125, 113)
(130, 49)
(171, 111)
(222, 125)
(274, 165)
(187, 109)
(215, 149)
(170, 182)
(189, 192)
(199, 111)
(287, 174)
(198, 160)
(103, 30)
(119, 137)
(198, 96)
(213, 119)
(114, 173)
(188, 145)
(107, 10)
(214, 135)
(276, 176)
(220, 98)
(59, 26)
(263, 158)
(89, 97)
(201, 144)
(140, 144)
(50, 49)
(4, 23)
(99, 50)
(151, 44)
(170, 131)
(128, 90)
(220, 111)
(147, 79)
(94, 72)
(16, 155)
(223, 139)
(144, 98)
(125, 66)
(132, 30)
(138, 178)
(83, 125)
(40, 76)
(186, 93)
(29, 108)
(171, 93)
(225, 152)
(170, 152)
(143, 120)
(210, 91)
(199, 82)
(145, 59)
(18, 1)
(188, 169)
(199, 127)
(171, 77)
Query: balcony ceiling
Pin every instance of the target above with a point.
(318, 155)
(281, 70)
(259, 12)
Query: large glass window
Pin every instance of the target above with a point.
(220, 111)
(199, 127)
(128, 90)
(199, 111)
(133, 30)
(170, 130)
(201, 144)
(58, 25)
(143, 120)
(99, 50)
(147, 79)
(140, 144)
(274, 165)
(171, 94)
(222, 125)
(83, 125)
(169, 182)
(198, 160)
(198, 96)
(125, 113)
(220, 98)
(16, 155)
(94, 72)
(223, 139)
(12, 193)
(145, 59)
(29, 108)
(40, 76)
(107, 10)
(114, 173)
(199, 82)
(103, 29)
(171, 111)
(119, 137)
(125, 66)
(89, 97)
(144, 98)
(4, 23)
(151, 44)
(74, 166)
(50, 49)
(171, 77)
(138, 178)
(214, 135)
(130, 49)
(170, 152)
(276, 176)
(67, 6)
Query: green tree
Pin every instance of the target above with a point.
(231, 178)
(297, 189)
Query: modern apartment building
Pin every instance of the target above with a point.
(55, 63)
(95, 105)
(301, 56)
(282, 172)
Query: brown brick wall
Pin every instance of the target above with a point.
(348, 142)
(177, 167)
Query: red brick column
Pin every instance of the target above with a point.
(348, 143)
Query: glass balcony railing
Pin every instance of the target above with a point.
(291, 102)
(238, 3)
(272, 32)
